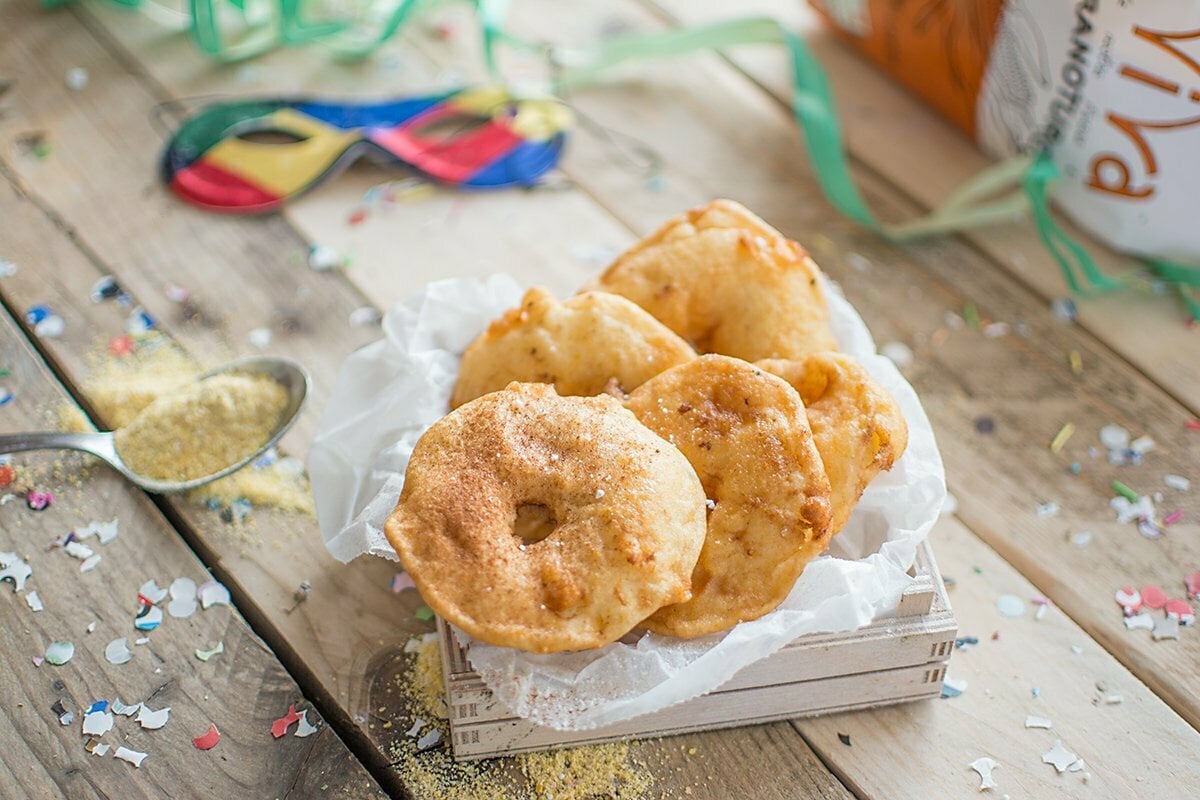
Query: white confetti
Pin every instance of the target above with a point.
(91, 628)
(117, 651)
(59, 653)
(78, 550)
(7, 268)
(984, 767)
(1059, 757)
(97, 723)
(1010, 605)
(183, 598)
(34, 602)
(1142, 445)
(305, 728)
(213, 594)
(1114, 437)
(430, 739)
(1141, 621)
(125, 711)
(51, 327)
(14, 569)
(260, 338)
(1077, 766)
(150, 620)
(151, 592)
(322, 257)
(1037, 722)
(90, 563)
(364, 316)
(1048, 510)
(132, 756)
(1081, 538)
(152, 720)
(105, 531)
(415, 730)
(1113, 699)
(1177, 482)
(77, 79)
(996, 329)
(100, 749)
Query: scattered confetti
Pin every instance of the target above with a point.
(7, 268)
(305, 728)
(152, 720)
(1165, 628)
(844, 738)
(34, 602)
(132, 756)
(1177, 482)
(364, 316)
(431, 738)
(37, 661)
(125, 711)
(1011, 606)
(208, 740)
(970, 314)
(77, 79)
(1076, 362)
(14, 569)
(259, 338)
(45, 322)
(1129, 599)
(280, 726)
(1081, 538)
(1153, 597)
(1059, 757)
(1062, 437)
(402, 581)
(78, 550)
(90, 563)
(1141, 621)
(64, 717)
(898, 353)
(424, 613)
(105, 531)
(985, 425)
(984, 767)
(1125, 491)
(106, 288)
(1190, 582)
(1142, 445)
(150, 594)
(39, 500)
(117, 651)
(1114, 437)
(59, 653)
(100, 749)
(1047, 510)
(953, 688)
(965, 641)
(1064, 309)
(183, 598)
(205, 655)
(7, 475)
(1037, 722)
(1173, 517)
(212, 593)
(6, 396)
(149, 618)
(1192, 424)
(97, 723)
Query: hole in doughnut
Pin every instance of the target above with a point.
(534, 522)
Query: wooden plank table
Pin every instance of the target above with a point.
(92, 207)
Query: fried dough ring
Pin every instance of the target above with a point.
(581, 345)
(629, 511)
(745, 433)
(859, 429)
(728, 283)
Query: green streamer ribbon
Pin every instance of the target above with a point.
(1004, 192)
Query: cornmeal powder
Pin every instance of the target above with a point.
(203, 429)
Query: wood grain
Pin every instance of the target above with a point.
(341, 640)
(890, 135)
(240, 690)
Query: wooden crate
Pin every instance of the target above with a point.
(893, 660)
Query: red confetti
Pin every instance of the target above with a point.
(1153, 597)
(1173, 517)
(357, 217)
(1193, 424)
(280, 726)
(209, 740)
(7, 475)
(120, 346)
(1179, 609)
(1192, 582)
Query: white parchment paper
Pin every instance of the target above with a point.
(388, 393)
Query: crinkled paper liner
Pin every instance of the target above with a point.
(388, 393)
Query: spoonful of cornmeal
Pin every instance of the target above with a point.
(197, 433)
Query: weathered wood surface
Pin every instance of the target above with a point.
(719, 136)
(894, 137)
(241, 690)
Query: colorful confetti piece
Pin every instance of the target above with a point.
(208, 740)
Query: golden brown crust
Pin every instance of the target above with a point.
(859, 429)
(744, 432)
(727, 282)
(581, 345)
(629, 514)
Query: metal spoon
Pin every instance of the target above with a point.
(290, 375)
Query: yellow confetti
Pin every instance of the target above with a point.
(1060, 438)
(1076, 362)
